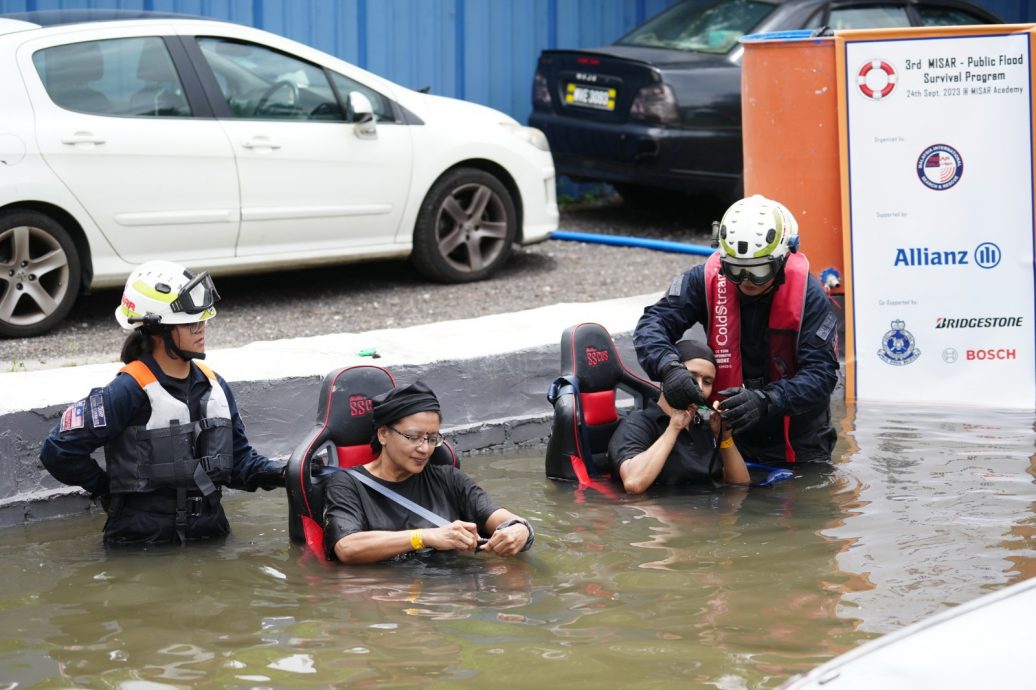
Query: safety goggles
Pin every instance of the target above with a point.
(756, 274)
(196, 296)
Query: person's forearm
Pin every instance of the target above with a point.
(372, 547)
(734, 469)
(640, 471)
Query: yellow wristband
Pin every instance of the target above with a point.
(416, 540)
(727, 442)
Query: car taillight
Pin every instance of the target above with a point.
(655, 103)
(540, 91)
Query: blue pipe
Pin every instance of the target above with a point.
(627, 241)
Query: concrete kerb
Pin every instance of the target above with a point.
(490, 373)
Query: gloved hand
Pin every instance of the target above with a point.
(743, 407)
(680, 389)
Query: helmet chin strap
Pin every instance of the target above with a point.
(174, 351)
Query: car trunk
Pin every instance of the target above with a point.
(601, 84)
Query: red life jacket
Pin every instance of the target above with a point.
(724, 327)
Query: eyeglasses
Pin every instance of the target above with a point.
(434, 440)
(757, 274)
(194, 327)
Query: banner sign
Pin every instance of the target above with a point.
(937, 158)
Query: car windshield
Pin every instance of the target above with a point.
(705, 26)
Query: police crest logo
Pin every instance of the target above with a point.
(898, 345)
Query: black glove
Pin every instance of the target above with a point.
(679, 387)
(743, 407)
(267, 479)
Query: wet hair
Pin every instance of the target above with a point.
(398, 403)
(695, 349)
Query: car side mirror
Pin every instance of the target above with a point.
(362, 113)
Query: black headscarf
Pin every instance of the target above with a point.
(695, 349)
(402, 402)
(398, 403)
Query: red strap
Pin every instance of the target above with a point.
(314, 536)
(789, 450)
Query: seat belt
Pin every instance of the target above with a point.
(414, 508)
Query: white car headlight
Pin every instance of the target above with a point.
(530, 135)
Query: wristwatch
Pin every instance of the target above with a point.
(521, 521)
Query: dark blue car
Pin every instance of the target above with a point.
(660, 109)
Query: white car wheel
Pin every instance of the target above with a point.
(39, 273)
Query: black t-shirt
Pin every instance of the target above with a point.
(351, 507)
(688, 462)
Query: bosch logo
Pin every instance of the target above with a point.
(359, 405)
(950, 355)
(990, 354)
(987, 255)
(595, 357)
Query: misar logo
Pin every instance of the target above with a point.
(595, 356)
(876, 79)
(950, 355)
(987, 255)
(939, 167)
(359, 405)
(990, 354)
(979, 322)
(898, 346)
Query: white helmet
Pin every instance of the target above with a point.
(165, 293)
(755, 237)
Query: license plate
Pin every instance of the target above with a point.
(590, 96)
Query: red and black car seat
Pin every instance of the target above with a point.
(340, 438)
(584, 399)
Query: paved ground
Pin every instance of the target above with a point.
(363, 297)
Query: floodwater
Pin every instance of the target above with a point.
(924, 508)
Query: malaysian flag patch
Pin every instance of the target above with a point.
(73, 417)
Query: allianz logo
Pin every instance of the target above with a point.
(985, 255)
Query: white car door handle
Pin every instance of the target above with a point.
(82, 138)
(260, 143)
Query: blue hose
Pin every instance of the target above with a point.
(626, 241)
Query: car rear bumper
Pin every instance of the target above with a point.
(669, 158)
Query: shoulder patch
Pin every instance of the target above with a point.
(675, 287)
(825, 328)
(97, 416)
(73, 416)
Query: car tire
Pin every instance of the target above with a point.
(465, 228)
(40, 273)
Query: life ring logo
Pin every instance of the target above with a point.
(898, 346)
(876, 79)
(939, 167)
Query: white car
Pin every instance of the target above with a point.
(127, 138)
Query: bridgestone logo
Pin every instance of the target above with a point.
(980, 322)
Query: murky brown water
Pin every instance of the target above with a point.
(925, 508)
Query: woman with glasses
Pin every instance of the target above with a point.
(169, 425)
(362, 525)
(771, 326)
